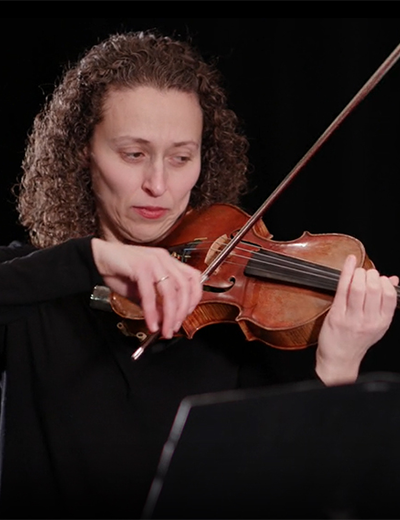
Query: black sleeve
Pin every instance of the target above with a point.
(28, 277)
(278, 366)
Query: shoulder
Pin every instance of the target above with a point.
(15, 249)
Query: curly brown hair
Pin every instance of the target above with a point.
(54, 196)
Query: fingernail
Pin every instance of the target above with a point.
(177, 326)
(154, 327)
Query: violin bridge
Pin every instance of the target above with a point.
(216, 248)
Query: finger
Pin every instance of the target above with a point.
(169, 291)
(389, 296)
(168, 304)
(190, 289)
(183, 291)
(180, 296)
(373, 294)
(196, 289)
(176, 295)
(187, 283)
(357, 292)
(164, 278)
(345, 279)
(148, 303)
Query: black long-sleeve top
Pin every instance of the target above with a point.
(84, 425)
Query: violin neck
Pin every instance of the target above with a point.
(276, 267)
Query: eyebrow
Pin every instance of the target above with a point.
(140, 140)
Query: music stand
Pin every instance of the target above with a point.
(300, 451)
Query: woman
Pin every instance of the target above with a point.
(135, 133)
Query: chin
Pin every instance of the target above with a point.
(142, 238)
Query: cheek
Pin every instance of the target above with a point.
(185, 184)
(112, 181)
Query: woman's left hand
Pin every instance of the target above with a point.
(361, 313)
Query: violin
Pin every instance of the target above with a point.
(277, 292)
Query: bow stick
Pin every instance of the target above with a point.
(361, 94)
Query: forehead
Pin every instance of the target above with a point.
(162, 117)
(146, 103)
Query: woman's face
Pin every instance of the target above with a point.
(145, 158)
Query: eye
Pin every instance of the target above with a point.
(132, 155)
(181, 159)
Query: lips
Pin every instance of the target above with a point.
(150, 212)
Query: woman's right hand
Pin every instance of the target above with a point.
(166, 289)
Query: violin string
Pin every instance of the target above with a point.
(295, 266)
(296, 270)
(287, 260)
(278, 262)
(284, 275)
(324, 273)
(281, 260)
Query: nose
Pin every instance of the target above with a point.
(155, 178)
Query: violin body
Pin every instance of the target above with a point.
(281, 308)
(277, 292)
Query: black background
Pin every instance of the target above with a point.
(288, 79)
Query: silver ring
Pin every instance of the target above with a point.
(162, 279)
